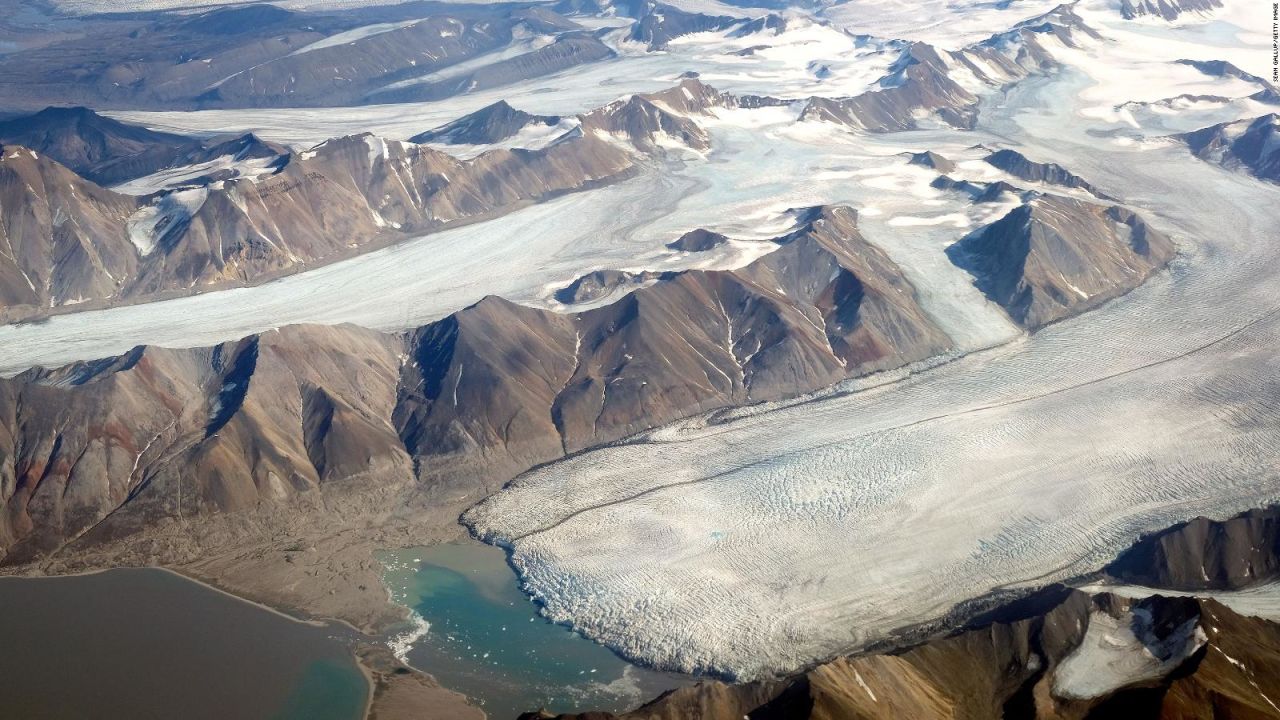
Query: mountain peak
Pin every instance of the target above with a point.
(490, 124)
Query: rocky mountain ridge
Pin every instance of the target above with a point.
(1165, 9)
(1053, 256)
(344, 196)
(1251, 145)
(456, 407)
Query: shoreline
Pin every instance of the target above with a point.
(362, 646)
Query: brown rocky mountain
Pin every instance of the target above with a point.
(699, 240)
(344, 196)
(1251, 145)
(101, 149)
(925, 78)
(108, 448)
(981, 192)
(1022, 167)
(97, 451)
(490, 124)
(63, 239)
(531, 386)
(1268, 93)
(110, 152)
(1053, 257)
(603, 283)
(1205, 554)
(931, 159)
(658, 24)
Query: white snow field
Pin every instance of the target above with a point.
(754, 541)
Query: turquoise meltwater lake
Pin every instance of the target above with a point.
(485, 638)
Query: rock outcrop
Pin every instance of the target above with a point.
(1165, 9)
(931, 159)
(490, 124)
(1250, 145)
(1023, 168)
(699, 240)
(659, 24)
(63, 239)
(1205, 554)
(603, 283)
(101, 149)
(1054, 257)
(95, 451)
(824, 306)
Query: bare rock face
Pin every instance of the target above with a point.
(1022, 167)
(699, 240)
(63, 237)
(931, 159)
(103, 150)
(660, 24)
(347, 193)
(1055, 257)
(1206, 554)
(487, 125)
(1251, 145)
(648, 120)
(603, 283)
(1166, 9)
(919, 82)
(982, 192)
(95, 451)
(246, 146)
(109, 152)
(475, 399)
